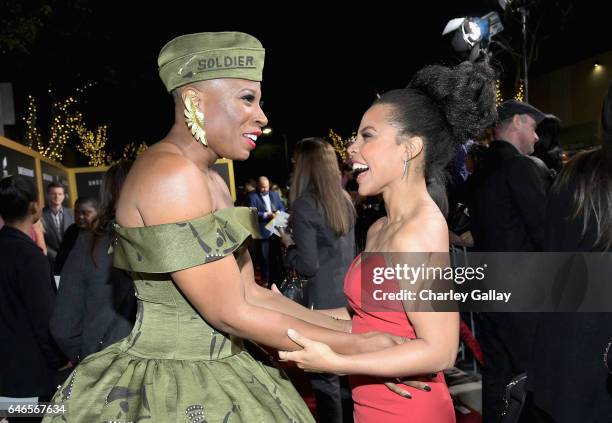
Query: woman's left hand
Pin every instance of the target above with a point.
(314, 357)
(285, 238)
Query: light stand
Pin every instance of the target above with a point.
(521, 7)
(523, 11)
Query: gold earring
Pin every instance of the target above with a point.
(195, 121)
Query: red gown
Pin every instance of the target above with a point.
(374, 402)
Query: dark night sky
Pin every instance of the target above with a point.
(322, 69)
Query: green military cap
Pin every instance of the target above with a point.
(210, 55)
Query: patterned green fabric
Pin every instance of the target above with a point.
(174, 367)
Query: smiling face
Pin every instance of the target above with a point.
(233, 118)
(376, 152)
(55, 196)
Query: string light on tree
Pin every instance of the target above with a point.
(131, 150)
(340, 144)
(65, 122)
(33, 139)
(498, 95)
(92, 144)
(520, 95)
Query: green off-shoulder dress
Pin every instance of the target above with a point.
(175, 367)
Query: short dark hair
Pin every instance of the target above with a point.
(86, 200)
(55, 185)
(16, 194)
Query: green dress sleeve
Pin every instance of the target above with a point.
(176, 246)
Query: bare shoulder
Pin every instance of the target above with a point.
(375, 227)
(221, 189)
(426, 232)
(163, 187)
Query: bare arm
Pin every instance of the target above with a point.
(217, 289)
(261, 297)
(341, 313)
(433, 351)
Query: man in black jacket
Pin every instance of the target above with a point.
(28, 357)
(507, 205)
(507, 194)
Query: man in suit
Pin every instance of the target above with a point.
(56, 218)
(507, 205)
(267, 204)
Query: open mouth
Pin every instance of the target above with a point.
(359, 168)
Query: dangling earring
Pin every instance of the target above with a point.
(405, 167)
(195, 121)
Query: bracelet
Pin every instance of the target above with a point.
(605, 356)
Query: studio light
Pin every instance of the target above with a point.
(473, 34)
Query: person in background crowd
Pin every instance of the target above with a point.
(37, 233)
(548, 148)
(569, 373)
(322, 248)
(85, 213)
(267, 248)
(28, 358)
(56, 218)
(95, 304)
(506, 198)
(243, 192)
(275, 188)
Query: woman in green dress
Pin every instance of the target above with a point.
(179, 235)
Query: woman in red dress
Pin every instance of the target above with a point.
(405, 141)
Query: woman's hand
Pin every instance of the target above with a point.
(314, 357)
(285, 238)
(395, 388)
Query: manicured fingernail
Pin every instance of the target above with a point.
(427, 388)
(407, 395)
(292, 333)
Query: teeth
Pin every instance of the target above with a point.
(360, 166)
(252, 136)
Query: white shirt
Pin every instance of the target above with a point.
(266, 200)
(57, 219)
